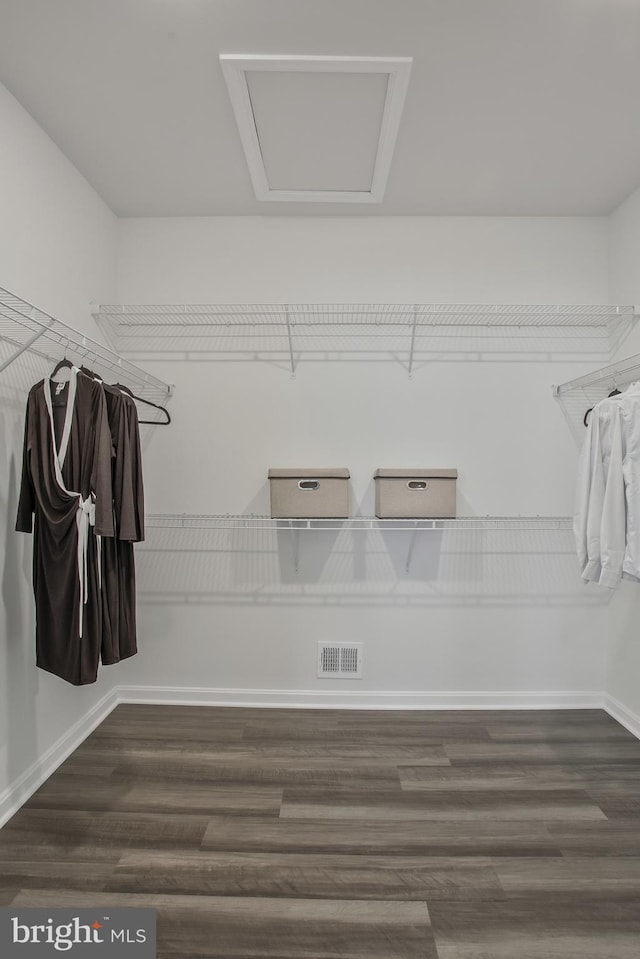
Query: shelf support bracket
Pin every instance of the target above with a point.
(291, 359)
(413, 340)
(27, 346)
(295, 545)
(412, 543)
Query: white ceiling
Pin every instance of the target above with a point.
(514, 107)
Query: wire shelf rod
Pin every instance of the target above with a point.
(470, 523)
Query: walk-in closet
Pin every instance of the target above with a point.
(319, 479)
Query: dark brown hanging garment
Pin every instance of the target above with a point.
(110, 649)
(118, 572)
(130, 531)
(133, 514)
(66, 486)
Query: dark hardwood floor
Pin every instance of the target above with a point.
(316, 834)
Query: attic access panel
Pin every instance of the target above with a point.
(320, 129)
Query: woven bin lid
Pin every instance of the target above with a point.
(335, 472)
(417, 473)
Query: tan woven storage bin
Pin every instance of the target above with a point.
(309, 493)
(415, 493)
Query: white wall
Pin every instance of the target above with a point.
(57, 250)
(624, 251)
(481, 616)
(372, 259)
(623, 672)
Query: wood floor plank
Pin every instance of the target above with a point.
(507, 776)
(61, 792)
(614, 837)
(421, 838)
(522, 717)
(96, 753)
(140, 753)
(495, 752)
(568, 731)
(119, 830)
(613, 789)
(261, 779)
(585, 875)
(182, 733)
(561, 752)
(48, 873)
(77, 766)
(173, 797)
(18, 850)
(610, 774)
(381, 733)
(444, 804)
(305, 875)
(225, 715)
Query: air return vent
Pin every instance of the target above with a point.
(340, 660)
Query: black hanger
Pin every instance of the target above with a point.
(138, 399)
(92, 375)
(63, 363)
(585, 418)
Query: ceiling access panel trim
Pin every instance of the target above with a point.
(235, 68)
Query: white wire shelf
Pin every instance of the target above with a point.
(580, 394)
(241, 522)
(621, 373)
(424, 314)
(217, 538)
(313, 330)
(26, 331)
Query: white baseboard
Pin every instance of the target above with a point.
(18, 792)
(358, 699)
(626, 717)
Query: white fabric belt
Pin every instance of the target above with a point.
(85, 517)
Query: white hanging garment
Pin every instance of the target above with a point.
(629, 403)
(607, 517)
(589, 498)
(613, 523)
